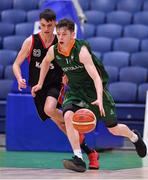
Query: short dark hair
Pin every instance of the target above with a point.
(69, 24)
(48, 15)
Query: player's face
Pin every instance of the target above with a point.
(47, 27)
(64, 36)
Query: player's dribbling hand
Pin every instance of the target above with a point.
(35, 89)
(100, 105)
(21, 84)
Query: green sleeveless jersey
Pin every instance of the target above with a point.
(75, 71)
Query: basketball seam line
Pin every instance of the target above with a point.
(84, 123)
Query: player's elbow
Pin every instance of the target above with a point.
(14, 66)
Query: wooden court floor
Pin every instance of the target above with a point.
(47, 165)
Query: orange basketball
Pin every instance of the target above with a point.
(84, 120)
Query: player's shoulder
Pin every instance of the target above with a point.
(81, 42)
(28, 40)
(81, 45)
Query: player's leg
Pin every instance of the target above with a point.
(55, 114)
(40, 102)
(47, 106)
(57, 117)
(92, 155)
(134, 137)
(76, 163)
(121, 129)
(50, 107)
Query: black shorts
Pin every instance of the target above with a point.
(41, 96)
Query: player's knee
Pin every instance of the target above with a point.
(49, 111)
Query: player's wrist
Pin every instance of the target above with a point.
(40, 85)
(19, 79)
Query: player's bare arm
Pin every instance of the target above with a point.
(44, 69)
(86, 59)
(22, 55)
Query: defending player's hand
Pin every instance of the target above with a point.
(35, 89)
(100, 105)
(21, 84)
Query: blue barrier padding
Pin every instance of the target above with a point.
(104, 139)
(131, 111)
(26, 132)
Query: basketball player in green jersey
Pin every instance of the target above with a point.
(34, 49)
(87, 82)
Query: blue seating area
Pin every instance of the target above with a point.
(91, 17)
(25, 5)
(32, 15)
(129, 90)
(6, 29)
(15, 26)
(130, 6)
(119, 17)
(133, 74)
(141, 18)
(127, 44)
(6, 4)
(89, 30)
(13, 16)
(100, 44)
(109, 30)
(117, 31)
(140, 33)
(139, 59)
(24, 29)
(144, 46)
(112, 72)
(142, 91)
(103, 5)
(116, 59)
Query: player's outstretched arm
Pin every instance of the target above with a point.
(44, 69)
